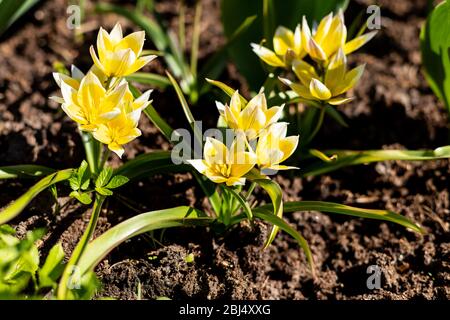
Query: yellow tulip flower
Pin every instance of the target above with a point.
(73, 80)
(337, 80)
(119, 56)
(251, 118)
(287, 46)
(123, 129)
(87, 102)
(330, 35)
(223, 165)
(274, 147)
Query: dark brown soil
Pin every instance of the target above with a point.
(394, 108)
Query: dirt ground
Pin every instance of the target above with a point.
(394, 108)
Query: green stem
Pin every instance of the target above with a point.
(92, 149)
(79, 249)
(250, 190)
(105, 156)
(196, 38)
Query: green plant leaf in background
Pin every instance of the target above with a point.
(287, 13)
(17, 206)
(11, 10)
(435, 46)
(331, 207)
(345, 158)
(24, 171)
(145, 222)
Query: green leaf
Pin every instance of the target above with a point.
(280, 223)
(74, 183)
(435, 46)
(117, 181)
(186, 109)
(52, 268)
(228, 90)
(351, 157)
(103, 191)
(244, 204)
(17, 206)
(152, 79)
(145, 222)
(159, 122)
(84, 198)
(104, 177)
(11, 10)
(275, 193)
(24, 171)
(335, 115)
(331, 207)
(144, 163)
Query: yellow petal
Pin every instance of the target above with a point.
(298, 49)
(306, 34)
(268, 56)
(139, 63)
(134, 41)
(336, 71)
(235, 104)
(116, 148)
(235, 181)
(97, 62)
(273, 114)
(91, 93)
(238, 170)
(130, 136)
(304, 71)
(75, 113)
(230, 118)
(116, 34)
(339, 100)
(323, 28)
(298, 88)
(198, 164)
(315, 51)
(358, 42)
(104, 43)
(319, 90)
(215, 152)
(288, 146)
(283, 40)
(350, 79)
(103, 134)
(336, 37)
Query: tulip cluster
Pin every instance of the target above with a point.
(259, 140)
(101, 102)
(317, 57)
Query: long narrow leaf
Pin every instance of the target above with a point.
(331, 207)
(227, 89)
(145, 222)
(351, 157)
(244, 204)
(11, 10)
(17, 206)
(186, 109)
(150, 78)
(275, 193)
(24, 171)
